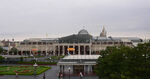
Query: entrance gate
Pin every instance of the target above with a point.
(78, 68)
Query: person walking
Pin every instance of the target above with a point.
(81, 75)
(44, 76)
(16, 74)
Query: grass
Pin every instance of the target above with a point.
(22, 70)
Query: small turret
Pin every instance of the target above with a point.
(103, 33)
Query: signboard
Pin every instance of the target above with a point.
(34, 50)
(71, 49)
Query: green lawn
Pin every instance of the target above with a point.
(22, 70)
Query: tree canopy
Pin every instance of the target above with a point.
(14, 50)
(124, 62)
(1, 49)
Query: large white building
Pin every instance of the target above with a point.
(83, 43)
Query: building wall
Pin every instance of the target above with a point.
(60, 48)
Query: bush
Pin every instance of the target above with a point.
(1, 59)
(57, 57)
(41, 63)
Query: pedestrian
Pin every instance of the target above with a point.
(16, 74)
(81, 75)
(44, 76)
(61, 76)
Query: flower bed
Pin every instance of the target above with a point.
(22, 70)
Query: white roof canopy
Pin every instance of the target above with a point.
(79, 60)
(82, 57)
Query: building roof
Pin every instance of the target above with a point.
(79, 60)
(124, 39)
(132, 39)
(83, 31)
(83, 38)
(101, 38)
(82, 57)
(41, 39)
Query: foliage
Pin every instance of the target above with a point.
(14, 50)
(1, 49)
(1, 59)
(124, 62)
(40, 63)
(22, 70)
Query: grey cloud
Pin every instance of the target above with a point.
(64, 17)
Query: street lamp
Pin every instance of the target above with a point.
(50, 59)
(6, 60)
(69, 72)
(31, 55)
(35, 66)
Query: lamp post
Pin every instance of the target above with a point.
(69, 72)
(6, 60)
(35, 66)
(50, 59)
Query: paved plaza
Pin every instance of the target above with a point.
(50, 74)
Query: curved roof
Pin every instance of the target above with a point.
(80, 38)
(83, 31)
(81, 57)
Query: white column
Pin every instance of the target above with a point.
(54, 48)
(30, 52)
(84, 50)
(67, 49)
(22, 52)
(58, 50)
(78, 49)
(74, 50)
(85, 70)
(63, 49)
(90, 49)
(88, 69)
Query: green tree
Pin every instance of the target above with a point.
(124, 62)
(14, 50)
(1, 59)
(1, 50)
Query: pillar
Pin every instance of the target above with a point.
(74, 50)
(63, 49)
(21, 52)
(78, 49)
(67, 50)
(54, 49)
(88, 69)
(30, 52)
(85, 70)
(58, 50)
(90, 49)
(63, 68)
(84, 49)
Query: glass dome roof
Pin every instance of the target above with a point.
(83, 31)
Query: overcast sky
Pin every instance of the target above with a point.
(21, 19)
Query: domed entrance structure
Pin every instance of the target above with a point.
(83, 32)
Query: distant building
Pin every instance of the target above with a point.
(1, 44)
(83, 43)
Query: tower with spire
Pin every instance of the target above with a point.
(103, 33)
